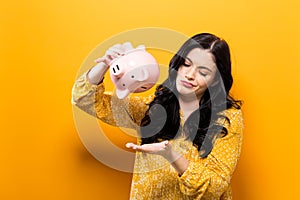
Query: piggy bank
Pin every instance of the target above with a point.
(136, 71)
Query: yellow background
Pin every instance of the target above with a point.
(42, 46)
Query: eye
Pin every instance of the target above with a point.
(187, 63)
(203, 74)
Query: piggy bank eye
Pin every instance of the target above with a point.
(132, 76)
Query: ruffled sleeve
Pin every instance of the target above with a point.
(83, 94)
(106, 106)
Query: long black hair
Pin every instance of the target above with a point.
(162, 120)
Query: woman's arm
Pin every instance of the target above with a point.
(210, 177)
(93, 100)
(83, 94)
(204, 177)
(89, 95)
(86, 86)
(96, 74)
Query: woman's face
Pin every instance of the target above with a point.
(196, 74)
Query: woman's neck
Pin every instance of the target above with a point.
(188, 105)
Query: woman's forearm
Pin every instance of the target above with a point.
(177, 161)
(96, 74)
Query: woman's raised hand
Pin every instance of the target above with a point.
(96, 74)
(114, 52)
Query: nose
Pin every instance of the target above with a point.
(190, 73)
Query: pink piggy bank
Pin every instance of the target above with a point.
(136, 71)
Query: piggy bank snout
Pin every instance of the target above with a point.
(117, 71)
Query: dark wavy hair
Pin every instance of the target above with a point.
(162, 119)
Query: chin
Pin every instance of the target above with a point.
(185, 92)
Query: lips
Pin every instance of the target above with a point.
(187, 84)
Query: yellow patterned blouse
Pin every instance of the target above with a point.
(154, 178)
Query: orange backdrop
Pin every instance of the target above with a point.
(44, 43)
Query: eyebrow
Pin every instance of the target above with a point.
(201, 67)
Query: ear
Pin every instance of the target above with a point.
(142, 47)
(144, 74)
(127, 46)
(121, 94)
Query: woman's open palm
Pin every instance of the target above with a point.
(154, 148)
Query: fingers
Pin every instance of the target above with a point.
(129, 145)
(99, 60)
(149, 148)
(121, 49)
(136, 147)
(132, 146)
(114, 53)
(117, 49)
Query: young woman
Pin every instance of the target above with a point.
(193, 153)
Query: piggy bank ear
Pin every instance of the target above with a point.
(127, 46)
(121, 94)
(144, 74)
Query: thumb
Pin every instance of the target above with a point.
(166, 142)
(99, 60)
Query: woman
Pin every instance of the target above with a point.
(193, 153)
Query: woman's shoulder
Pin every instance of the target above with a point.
(232, 119)
(232, 113)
